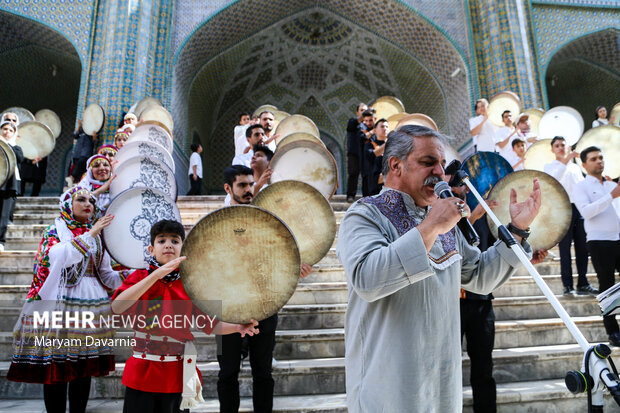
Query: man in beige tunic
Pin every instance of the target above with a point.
(405, 262)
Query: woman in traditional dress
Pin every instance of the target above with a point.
(71, 274)
(97, 179)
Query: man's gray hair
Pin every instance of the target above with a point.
(400, 143)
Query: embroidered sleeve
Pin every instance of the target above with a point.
(42, 262)
(84, 243)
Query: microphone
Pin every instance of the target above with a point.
(442, 190)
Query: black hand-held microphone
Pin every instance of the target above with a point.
(442, 190)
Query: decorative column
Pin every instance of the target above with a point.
(505, 50)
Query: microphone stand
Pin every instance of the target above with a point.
(595, 374)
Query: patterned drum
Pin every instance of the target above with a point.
(485, 169)
(143, 172)
(145, 148)
(135, 211)
(152, 132)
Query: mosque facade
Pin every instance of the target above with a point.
(209, 60)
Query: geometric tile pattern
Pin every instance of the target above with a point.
(325, 82)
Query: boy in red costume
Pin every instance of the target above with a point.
(162, 375)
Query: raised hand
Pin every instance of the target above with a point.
(523, 213)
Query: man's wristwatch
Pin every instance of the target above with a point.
(523, 233)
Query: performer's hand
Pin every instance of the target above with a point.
(101, 223)
(168, 267)
(523, 213)
(248, 329)
(107, 183)
(445, 213)
(264, 178)
(539, 256)
(306, 270)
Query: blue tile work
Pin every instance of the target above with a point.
(579, 3)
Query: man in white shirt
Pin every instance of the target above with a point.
(267, 122)
(254, 136)
(482, 131)
(569, 175)
(195, 170)
(595, 198)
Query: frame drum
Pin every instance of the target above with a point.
(51, 120)
(135, 211)
(561, 121)
(143, 172)
(159, 114)
(23, 114)
(615, 113)
(535, 115)
(538, 155)
(152, 132)
(306, 212)
(394, 119)
(254, 287)
(297, 123)
(93, 118)
(308, 162)
(501, 102)
(144, 103)
(387, 106)
(262, 108)
(607, 138)
(12, 159)
(555, 213)
(419, 119)
(298, 136)
(4, 167)
(485, 169)
(145, 148)
(36, 139)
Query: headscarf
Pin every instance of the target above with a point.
(110, 148)
(93, 184)
(124, 131)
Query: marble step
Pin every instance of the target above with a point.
(543, 396)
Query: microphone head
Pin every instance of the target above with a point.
(440, 187)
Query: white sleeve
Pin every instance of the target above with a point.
(556, 170)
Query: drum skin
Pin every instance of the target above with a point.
(23, 114)
(144, 172)
(144, 148)
(387, 106)
(419, 119)
(306, 212)
(554, 215)
(501, 102)
(135, 211)
(243, 260)
(298, 136)
(308, 162)
(296, 123)
(51, 120)
(4, 167)
(158, 113)
(538, 155)
(561, 121)
(36, 139)
(394, 119)
(150, 132)
(607, 138)
(93, 118)
(262, 108)
(12, 159)
(485, 169)
(535, 115)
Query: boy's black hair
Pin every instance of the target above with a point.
(517, 141)
(232, 172)
(584, 154)
(264, 149)
(167, 226)
(244, 114)
(248, 131)
(557, 138)
(194, 147)
(367, 113)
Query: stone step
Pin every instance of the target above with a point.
(524, 285)
(544, 396)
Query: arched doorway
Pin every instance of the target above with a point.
(316, 62)
(585, 73)
(41, 70)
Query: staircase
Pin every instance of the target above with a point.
(533, 349)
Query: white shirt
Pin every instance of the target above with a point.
(568, 175)
(513, 159)
(195, 160)
(593, 200)
(272, 145)
(241, 142)
(599, 122)
(501, 134)
(243, 159)
(485, 140)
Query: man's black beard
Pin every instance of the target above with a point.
(241, 200)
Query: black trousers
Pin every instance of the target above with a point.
(576, 234)
(195, 187)
(261, 352)
(55, 396)
(7, 205)
(606, 259)
(147, 402)
(353, 173)
(36, 188)
(79, 168)
(478, 326)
